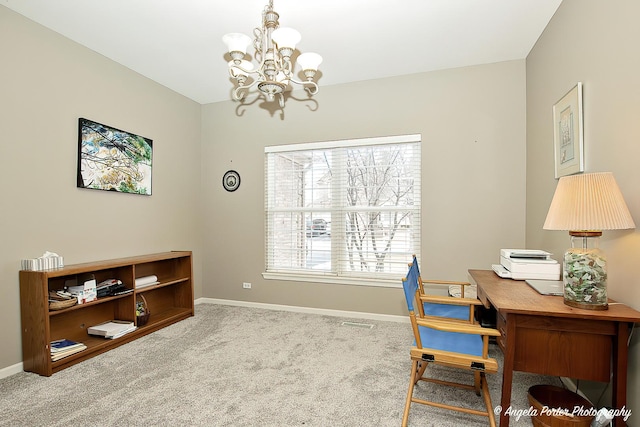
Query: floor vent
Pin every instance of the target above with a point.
(357, 325)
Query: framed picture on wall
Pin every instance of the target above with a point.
(112, 159)
(568, 141)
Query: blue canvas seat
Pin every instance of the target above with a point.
(450, 342)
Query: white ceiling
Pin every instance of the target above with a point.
(178, 43)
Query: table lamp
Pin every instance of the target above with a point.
(585, 205)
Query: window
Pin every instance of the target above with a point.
(343, 211)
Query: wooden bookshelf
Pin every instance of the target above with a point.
(169, 301)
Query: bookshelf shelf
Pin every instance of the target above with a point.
(85, 305)
(162, 284)
(169, 301)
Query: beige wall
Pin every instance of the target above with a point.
(594, 42)
(46, 83)
(472, 122)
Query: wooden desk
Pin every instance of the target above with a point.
(541, 334)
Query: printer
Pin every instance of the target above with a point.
(523, 264)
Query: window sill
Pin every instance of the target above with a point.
(335, 280)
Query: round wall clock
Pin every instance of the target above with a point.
(231, 180)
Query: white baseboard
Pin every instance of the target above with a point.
(11, 370)
(297, 309)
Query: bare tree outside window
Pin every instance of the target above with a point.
(376, 178)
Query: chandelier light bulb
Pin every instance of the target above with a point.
(309, 61)
(237, 42)
(286, 37)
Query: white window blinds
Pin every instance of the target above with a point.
(343, 208)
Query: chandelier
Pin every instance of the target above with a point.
(273, 46)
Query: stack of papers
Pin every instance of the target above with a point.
(63, 348)
(112, 329)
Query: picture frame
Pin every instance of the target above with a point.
(568, 140)
(112, 159)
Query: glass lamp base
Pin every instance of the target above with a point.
(585, 272)
(586, 306)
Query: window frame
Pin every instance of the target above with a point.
(333, 277)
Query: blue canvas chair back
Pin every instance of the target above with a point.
(414, 264)
(460, 312)
(448, 341)
(410, 284)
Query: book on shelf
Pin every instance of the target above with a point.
(62, 354)
(112, 329)
(112, 287)
(64, 344)
(64, 348)
(121, 333)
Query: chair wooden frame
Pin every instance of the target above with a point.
(422, 355)
(444, 299)
(426, 298)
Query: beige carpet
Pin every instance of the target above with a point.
(238, 366)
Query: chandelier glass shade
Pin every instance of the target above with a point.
(274, 47)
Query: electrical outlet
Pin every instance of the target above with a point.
(246, 285)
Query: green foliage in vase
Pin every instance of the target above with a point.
(585, 277)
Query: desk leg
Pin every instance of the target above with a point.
(619, 381)
(507, 369)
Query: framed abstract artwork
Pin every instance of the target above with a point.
(112, 159)
(568, 141)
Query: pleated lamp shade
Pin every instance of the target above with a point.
(588, 202)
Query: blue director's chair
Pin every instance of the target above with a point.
(454, 343)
